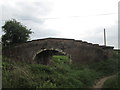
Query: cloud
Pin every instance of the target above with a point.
(32, 19)
(44, 33)
(37, 15)
(30, 14)
(97, 36)
(25, 10)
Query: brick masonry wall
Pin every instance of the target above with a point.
(78, 51)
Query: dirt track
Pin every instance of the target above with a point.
(100, 83)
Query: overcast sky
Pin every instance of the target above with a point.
(75, 19)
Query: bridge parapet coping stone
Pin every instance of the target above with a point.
(106, 47)
(96, 45)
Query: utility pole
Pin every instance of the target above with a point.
(104, 37)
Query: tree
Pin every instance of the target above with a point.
(15, 33)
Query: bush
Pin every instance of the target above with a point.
(106, 67)
(18, 78)
(36, 68)
(42, 76)
(87, 77)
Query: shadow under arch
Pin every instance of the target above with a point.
(44, 56)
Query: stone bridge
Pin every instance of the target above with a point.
(41, 51)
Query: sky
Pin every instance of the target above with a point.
(73, 19)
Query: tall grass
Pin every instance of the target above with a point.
(61, 74)
(112, 82)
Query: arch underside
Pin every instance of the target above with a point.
(44, 57)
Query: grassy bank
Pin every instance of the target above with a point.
(61, 74)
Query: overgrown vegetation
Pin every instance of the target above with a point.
(106, 67)
(61, 74)
(115, 81)
(112, 82)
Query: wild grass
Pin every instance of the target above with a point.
(61, 74)
(112, 82)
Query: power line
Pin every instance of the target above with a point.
(66, 17)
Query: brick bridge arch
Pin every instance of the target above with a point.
(44, 56)
(79, 51)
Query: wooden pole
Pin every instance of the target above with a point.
(104, 37)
